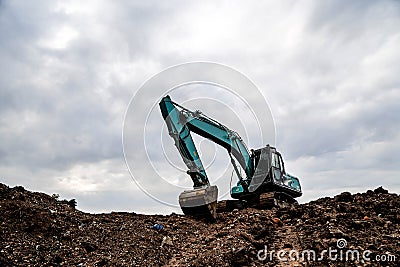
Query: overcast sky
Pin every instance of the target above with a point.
(329, 70)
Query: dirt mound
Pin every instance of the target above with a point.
(39, 230)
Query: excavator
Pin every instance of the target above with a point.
(262, 180)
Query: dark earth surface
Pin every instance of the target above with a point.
(40, 230)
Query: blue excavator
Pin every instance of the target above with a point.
(262, 184)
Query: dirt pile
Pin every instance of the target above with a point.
(39, 230)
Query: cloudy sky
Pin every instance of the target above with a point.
(329, 71)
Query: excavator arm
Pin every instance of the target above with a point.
(180, 132)
(181, 122)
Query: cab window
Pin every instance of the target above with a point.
(275, 161)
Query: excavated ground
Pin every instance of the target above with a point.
(38, 230)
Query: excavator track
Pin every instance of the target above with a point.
(275, 199)
(230, 205)
(266, 201)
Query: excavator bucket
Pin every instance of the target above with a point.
(200, 202)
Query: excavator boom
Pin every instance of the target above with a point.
(181, 122)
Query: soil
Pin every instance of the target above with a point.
(40, 230)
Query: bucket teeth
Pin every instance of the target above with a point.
(208, 211)
(200, 202)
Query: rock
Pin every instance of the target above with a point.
(102, 262)
(88, 246)
(344, 197)
(370, 192)
(57, 259)
(287, 245)
(380, 190)
(166, 241)
(277, 221)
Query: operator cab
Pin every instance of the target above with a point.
(280, 177)
(269, 160)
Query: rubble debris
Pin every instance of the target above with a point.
(39, 230)
(166, 241)
(277, 222)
